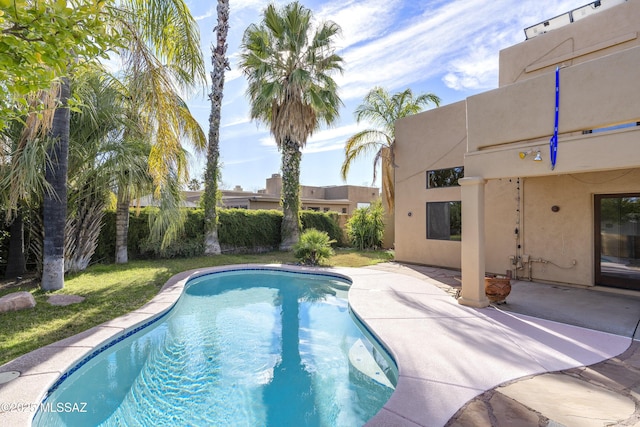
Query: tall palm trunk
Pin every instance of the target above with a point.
(55, 201)
(122, 227)
(220, 64)
(290, 231)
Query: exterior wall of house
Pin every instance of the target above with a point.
(265, 204)
(600, 93)
(308, 192)
(599, 56)
(568, 234)
(561, 242)
(435, 139)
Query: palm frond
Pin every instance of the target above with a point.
(362, 144)
(288, 64)
(170, 31)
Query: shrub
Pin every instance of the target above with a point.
(323, 221)
(365, 228)
(313, 247)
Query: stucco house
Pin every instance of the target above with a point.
(343, 199)
(477, 185)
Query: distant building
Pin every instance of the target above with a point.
(343, 199)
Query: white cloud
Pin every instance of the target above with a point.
(460, 39)
(236, 121)
(241, 161)
(475, 67)
(413, 52)
(476, 71)
(267, 141)
(359, 20)
(332, 139)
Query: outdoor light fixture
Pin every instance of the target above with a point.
(537, 158)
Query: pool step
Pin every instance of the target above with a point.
(363, 361)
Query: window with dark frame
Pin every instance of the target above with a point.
(444, 177)
(444, 220)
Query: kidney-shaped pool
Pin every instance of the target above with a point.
(239, 348)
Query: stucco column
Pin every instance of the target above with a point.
(472, 189)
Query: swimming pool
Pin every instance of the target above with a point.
(246, 348)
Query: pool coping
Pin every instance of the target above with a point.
(434, 341)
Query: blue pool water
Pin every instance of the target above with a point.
(243, 348)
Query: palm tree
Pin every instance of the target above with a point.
(193, 184)
(382, 110)
(23, 155)
(288, 63)
(220, 64)
(162, 58)
(100, 161)
(164, 51)
(54, 204)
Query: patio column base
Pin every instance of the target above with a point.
(481, 303)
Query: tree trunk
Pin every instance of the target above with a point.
(290, 198)
(122, 227)
(55, 202)
(16, 265)
(82, 232)
(220, 64)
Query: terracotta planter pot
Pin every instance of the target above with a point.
(497, 289)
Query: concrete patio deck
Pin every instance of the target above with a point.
(447, 353)
(458, 366)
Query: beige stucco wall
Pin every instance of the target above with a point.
(435, 139)
(567, 235)
(308, 192)
(511, 203)
(263, 204)
(358, 194)
(606, 32)
(557, 237)
(501, 220)
(350, 195)
(598, 93)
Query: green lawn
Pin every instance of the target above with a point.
(113, 290)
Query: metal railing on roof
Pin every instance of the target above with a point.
(569, 17)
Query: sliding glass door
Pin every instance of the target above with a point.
(617, 240)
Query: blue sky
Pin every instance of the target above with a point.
(447, 47)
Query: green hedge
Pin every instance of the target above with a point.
(239, 230)
(242, 230)
(323, 221)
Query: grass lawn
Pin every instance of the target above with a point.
(113, 290)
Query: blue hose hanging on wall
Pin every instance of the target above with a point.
(553, 143)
